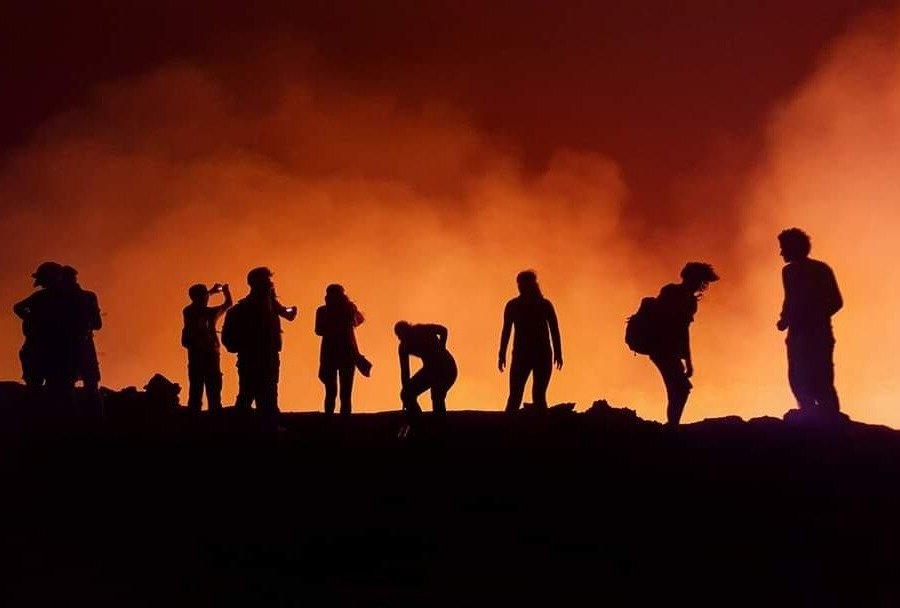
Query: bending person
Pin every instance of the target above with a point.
(535, 323)
(438, 373)
(676, 306)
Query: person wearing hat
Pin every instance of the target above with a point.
(811, 298)
(252, 329)
(35, 311)
(339, 355)
(676, 306)
(199, 337)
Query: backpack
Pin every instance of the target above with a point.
(642, 328)
(232, 329)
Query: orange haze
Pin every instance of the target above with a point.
(173, 178)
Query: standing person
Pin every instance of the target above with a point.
(252, 329)
(35, 313)
(199, 337)
(88, 321)
(811, 298)
(675, 307)
(438, 373)
(339, 355)
(534, 319)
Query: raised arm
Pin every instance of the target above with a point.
(553, 323)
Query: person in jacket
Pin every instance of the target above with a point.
(339, 354)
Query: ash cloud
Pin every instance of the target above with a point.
(187, 174)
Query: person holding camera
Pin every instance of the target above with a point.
(252, 329)
(199, 337)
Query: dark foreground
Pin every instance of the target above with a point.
(560, 509)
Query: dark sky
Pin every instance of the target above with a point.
(657, 86)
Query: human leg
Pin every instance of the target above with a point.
(196, 380)
(518, 375)
(441, 386)
(540, 380)
(420, 382)
(678, 387)
(328, 376)
(346, 377)
(799, 372)
(213, 383)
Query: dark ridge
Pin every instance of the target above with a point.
(153, 506)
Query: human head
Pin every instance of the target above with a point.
(47, 274)
(401, 329)
(795, 244)
(199, 294)
(260, 279)
(334, 293)
(528, 283)
(698, 275)
(68, 276)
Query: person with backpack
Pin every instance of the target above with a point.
(661, 330)
(199, 337)
(811, 298)
(339, 355)
(252, 329)
(535, 323)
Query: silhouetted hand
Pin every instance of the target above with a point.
(501, 363)
(558, 360)
(781, 325)
(290, 313)
(688, 368)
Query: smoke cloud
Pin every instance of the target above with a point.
(182, 176)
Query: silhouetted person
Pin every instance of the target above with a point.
(252, 329)
(534, 320)
(811, 297)
(339, 355)
(36, 312)
(88, 321)
(676, 306)
(199, 338)
(438, 373)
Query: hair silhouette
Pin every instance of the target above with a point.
(811, 298)
(339, 354)
(534, 320)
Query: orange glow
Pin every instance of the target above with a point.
(169, 180)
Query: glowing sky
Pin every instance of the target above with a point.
(422, 157)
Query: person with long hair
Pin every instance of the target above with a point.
(339, 354)
(534, 320)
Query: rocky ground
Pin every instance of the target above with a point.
(151, 506)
